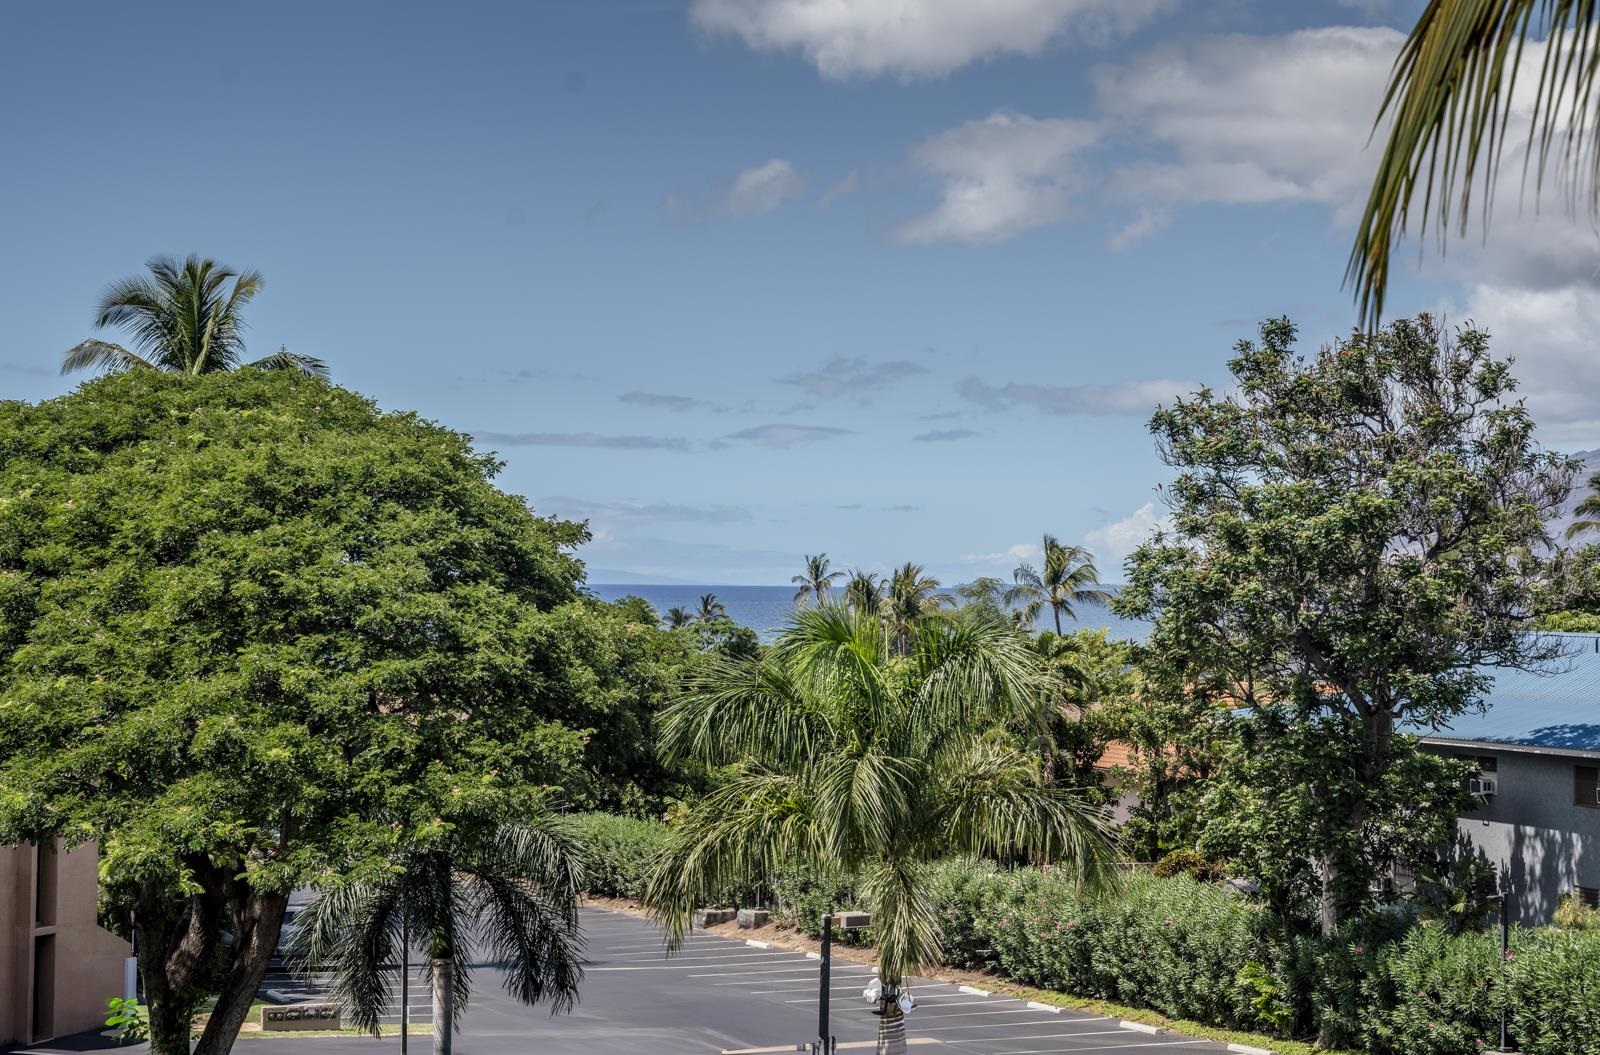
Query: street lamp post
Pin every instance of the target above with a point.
(847, 921)
(405, 984)
(1503, 898)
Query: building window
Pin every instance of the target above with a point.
(1588, 895)
(1586, 786)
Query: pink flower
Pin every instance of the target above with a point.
(1360, 949)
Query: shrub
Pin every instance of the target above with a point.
(622, 851)
(1191, 864)
(1573, 914)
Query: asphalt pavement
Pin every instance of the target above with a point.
(721, 994)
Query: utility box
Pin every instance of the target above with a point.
(300, 1016)
(852, 920)
(751, 918)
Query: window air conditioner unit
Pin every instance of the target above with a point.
(1597, 796)
(1482, 786)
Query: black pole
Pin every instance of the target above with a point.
(405, 985)
(823, 1043)
(1505, 948)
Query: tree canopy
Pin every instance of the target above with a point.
(256, 632)
(1351, 548)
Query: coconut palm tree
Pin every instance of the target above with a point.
(1588, 511)
(511, 895)
(182, 318)
(1450, 96)
(1067, 579)
(817, 580)
(865, 591)
(711, 609)
(679, 617)
(910, 595)
(851, 758)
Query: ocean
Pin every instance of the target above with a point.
(765, 609)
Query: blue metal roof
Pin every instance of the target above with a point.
(1554, 710)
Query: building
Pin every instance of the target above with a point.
(58, 966)
(1537, 747)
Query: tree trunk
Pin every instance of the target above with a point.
(176, 936)
(892, 1030)
(443, 1004)
(259, 921)
(1328, 902)
(1057, 613)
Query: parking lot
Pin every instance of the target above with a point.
(720, 994)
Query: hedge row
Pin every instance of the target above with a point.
(1197, 951)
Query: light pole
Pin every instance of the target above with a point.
(405, 984)
(847, 921)
(1503, 897)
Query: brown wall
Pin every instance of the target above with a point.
(57, 965)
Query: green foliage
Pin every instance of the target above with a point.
(869, 747)
(1572, 914)
(805, 894)
(1569, 622)
(255, 633)
(128, 1019)
(1552, 983)
(1570, 588)
(621, 853)
(1188, 863)
(1266, 997)
(1351, 547)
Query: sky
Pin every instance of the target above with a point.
(739, 281)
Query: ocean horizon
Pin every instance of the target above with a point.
(767, 609)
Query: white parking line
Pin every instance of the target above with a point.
(682, 966)
(730, 974)
(1091, 1051)
(991, 1025)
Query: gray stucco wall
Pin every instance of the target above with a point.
(1533, 831)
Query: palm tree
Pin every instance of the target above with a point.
(1450, 96)
(1066, 688)
(711, 609)
(817, 580)
(512, 895)
(865, 591)
(1588, 511)
(184, 319)
(911, 595)
(852, 759)
(679, 617)
(1068, 578)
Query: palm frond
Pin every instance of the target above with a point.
(905, 917)
(102, 356)
(750, 711)
(283, 359)
(743, 830)
(994, 804)
(1449, 102)
(351, 932)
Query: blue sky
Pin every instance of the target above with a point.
(741, 280)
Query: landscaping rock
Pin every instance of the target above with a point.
(710, 917)
(751, 918)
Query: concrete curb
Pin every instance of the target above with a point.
(1139, 1027)
(1036, 1006)
(972, 990)
(759, 944)
(1246, 1049)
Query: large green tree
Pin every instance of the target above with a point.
(183, 318)
(256, 633)
(1348, 557)
(854, 755)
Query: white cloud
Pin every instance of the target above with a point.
(999, 176)
(763, 188)
(917, 38)
(853, 376)
(609, 515)
(1147, 223)
(1013, 554)
(787, 435)
(1111, 543)
(1552, 336)
(1253, 120)
(1120, 397)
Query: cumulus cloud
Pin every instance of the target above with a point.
(1111, 543)
(1014, 554)
(582, 439)
(614, 514)
(945, 435)
(662, 401)
(1121, 397)
(1253, 119)
(999, 176)
(764, 188)
(787, 435)
(917, 38)
(852, 376)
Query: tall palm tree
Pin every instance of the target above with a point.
(817, 580)
(865, 591)
(1588, 511)
(911, 594)
(679, 617)
(711, 609)
(511, 895)
(1450, 97)
(182, 318)
(849, 757)
(1067, 579)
